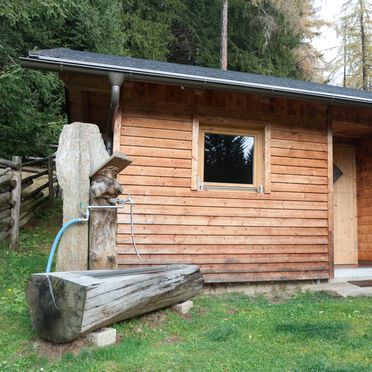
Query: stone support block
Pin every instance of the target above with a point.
(102, 337)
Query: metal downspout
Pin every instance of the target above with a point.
(116, 80)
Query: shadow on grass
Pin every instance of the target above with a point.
(222, 332)
(321, 330)
(313, 364)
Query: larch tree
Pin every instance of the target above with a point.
(303, 19)
(354, 28)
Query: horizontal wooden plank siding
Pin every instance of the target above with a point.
(234, 236)
(364, 200)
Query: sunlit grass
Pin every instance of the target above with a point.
(310, 332)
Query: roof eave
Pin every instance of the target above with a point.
(141, 75)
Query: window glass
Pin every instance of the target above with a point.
(228, 158)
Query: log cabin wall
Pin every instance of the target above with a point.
(235, 236)
(364, 197)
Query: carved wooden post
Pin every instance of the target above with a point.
(103, 222)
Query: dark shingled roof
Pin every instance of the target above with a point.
(62, 59)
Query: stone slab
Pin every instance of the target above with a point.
(183, 307)
(102, 337)
(358, 272)
(81, 149)
(339, 289)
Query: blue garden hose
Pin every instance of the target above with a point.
(86, 219)
(57, 239)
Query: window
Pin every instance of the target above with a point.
(230, 158)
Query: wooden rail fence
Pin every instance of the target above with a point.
(23, 189)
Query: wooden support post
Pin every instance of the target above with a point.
(330, 194)
(50, 179)
(16, 197)
(267, 159)
(194, 153)
(103, 222)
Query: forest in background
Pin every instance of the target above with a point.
(271, 37)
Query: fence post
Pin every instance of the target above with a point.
(50, 179)
(16, 197)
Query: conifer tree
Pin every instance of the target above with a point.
(261, 39)
(355, 53)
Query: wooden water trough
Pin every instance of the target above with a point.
(66, 305)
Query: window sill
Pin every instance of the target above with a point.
(212, 187)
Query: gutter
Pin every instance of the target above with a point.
(145, 75)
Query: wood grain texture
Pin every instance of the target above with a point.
(267, 159)
(223, 230)
(345, 208)
(364, 199)
(330, 197)
(103, 222)
(16, 210)
(194, 155)
(88, 300)
(117, 131)
(156, 132)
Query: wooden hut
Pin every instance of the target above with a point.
(254, 178)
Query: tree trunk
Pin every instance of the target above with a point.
(66, 305)
(345, 55)
(363, 45)
(224, 18)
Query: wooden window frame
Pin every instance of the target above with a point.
(259, 177)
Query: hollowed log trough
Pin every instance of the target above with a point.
(67, 305)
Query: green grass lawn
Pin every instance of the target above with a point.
(310, 332)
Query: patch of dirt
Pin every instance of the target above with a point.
(172, 339)
(279, 297)
(30, 225)
(52, 351)
(154, 319)
(231, 311)
(201, 311)
(186, 316)
(119, 338)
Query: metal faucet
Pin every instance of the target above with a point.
(117, 203)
